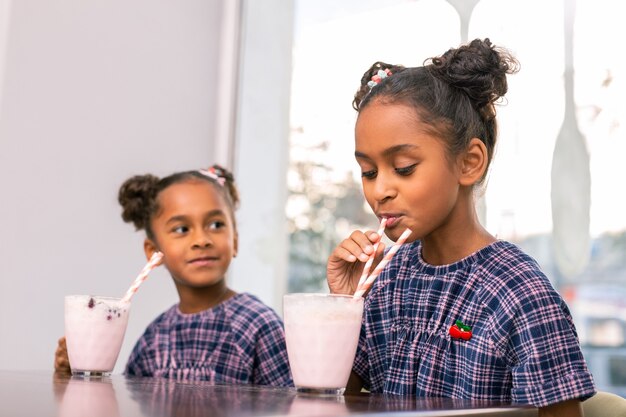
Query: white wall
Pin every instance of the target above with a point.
(93, 92)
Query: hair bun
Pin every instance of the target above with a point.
(479, 69)
(135, 196)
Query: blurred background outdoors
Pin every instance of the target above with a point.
(556, 184)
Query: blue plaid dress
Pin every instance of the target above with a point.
(239, 341)
(524, 347)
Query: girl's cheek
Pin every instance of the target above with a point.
(164, 262)
(367, 193)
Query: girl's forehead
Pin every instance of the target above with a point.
(382, 126)
(188, 195)
(377, 118)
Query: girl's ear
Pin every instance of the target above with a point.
(149, 247)
(235, 244)
(473, 162)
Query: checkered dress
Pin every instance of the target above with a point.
(239, 341)
(524, 347)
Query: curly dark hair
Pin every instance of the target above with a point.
(138, 194)
(455, 93)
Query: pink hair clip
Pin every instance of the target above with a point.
(380, 75)
(211, 173)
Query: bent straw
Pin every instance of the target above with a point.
(370, 280)
(154, 261)
(370, 260)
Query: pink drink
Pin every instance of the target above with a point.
(89, 398)
(94, 329)
(322, 333)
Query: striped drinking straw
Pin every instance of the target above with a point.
(155, 260)
(361, 289)
(370, 260)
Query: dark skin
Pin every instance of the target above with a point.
(410, 179)
(195, 231)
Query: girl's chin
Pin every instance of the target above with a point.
(199, 283)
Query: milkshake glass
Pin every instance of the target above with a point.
(94, 331)
(322, 333)
(89, 398)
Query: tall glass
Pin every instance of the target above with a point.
(322, 333)
(94, 331)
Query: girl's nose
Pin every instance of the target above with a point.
(202, 239)
(383, 188)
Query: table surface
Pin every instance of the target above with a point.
(41, 393)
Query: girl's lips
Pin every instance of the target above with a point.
(203, 261)
(391, 220)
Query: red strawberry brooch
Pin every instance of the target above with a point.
(460, 331)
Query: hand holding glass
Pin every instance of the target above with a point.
(95, 326)
(94, 330)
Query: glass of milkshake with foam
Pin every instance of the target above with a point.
(322, 333)
(95, 326)
(94, 331)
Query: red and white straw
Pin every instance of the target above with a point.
(362, 289)
(155, 260)
(370, 260)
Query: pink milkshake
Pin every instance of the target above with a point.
(322, 333)
(89, 398)
(94, 329)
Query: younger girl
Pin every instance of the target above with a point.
(456, 313)
(213, 333)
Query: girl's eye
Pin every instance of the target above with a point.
(217, 224)
(408, 170)
(180, 229)
(369, 174)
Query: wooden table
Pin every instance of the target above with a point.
(32, 393)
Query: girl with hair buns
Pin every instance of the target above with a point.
(456, 312)
(213, 333)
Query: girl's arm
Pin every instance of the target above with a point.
(355, 384)
(270, 355)
(570, 408)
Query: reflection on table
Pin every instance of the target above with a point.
(81, 398)
(37, 393)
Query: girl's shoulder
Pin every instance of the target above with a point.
(247, 308)
(249, 319)
(500, 269)
(242, 308)
(247, 301)
(241, 314)
(507, 265)
(499, 260)
(512, 282)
